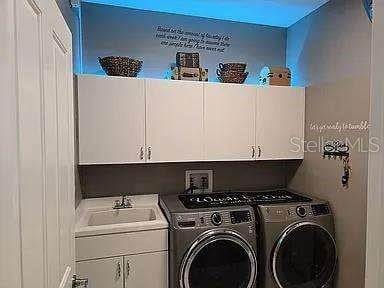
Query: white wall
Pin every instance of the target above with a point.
(375, 209)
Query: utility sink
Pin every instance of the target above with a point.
(119, 216)
(97, 216)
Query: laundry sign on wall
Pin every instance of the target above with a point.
(155, 38)
(177, 37)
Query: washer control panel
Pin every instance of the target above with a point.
(294, 212)
(214, 218)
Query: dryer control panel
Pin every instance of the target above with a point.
(278, 213)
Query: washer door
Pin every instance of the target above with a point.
(304, 257)
(221, 259)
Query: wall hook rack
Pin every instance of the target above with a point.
(340, 150)
(336, 150)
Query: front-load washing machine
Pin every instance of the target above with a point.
(297, 245)
(210, 247)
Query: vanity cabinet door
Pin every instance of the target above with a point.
(146, 270)
(111, 120)
(280, 123)
(102, 273)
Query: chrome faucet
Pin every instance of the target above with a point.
(125, 203)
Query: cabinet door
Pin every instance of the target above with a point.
(229, 121)
(280, 123)
(146, 270)
(111, 120)
(174, 125)
(102, 273)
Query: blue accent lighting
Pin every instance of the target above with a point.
(280, 13)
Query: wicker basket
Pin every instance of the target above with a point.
(240, 67)
(120, 66)
(238, 79)
(231, 76)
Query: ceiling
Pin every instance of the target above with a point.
(281, 13)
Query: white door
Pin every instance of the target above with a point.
(38, 198)
(103, 273)
(280, 123)
(229, 121)
(174, 125)
(146, 270)
(111, 120)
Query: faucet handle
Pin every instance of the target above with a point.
(127, 201)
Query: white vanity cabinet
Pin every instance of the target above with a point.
(116, 248)
(229, 121)
(280, 113)
(131, 271)
(174, 121)
(111, 120)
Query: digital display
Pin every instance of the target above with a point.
(320, 209)
(187, 224)
(240, 216)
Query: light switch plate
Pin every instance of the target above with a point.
(201, 179)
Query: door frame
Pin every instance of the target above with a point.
(10, 239)
(374, 274)
(14, 272)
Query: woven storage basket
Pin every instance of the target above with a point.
(120, 66)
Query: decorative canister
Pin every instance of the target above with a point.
(275, 76)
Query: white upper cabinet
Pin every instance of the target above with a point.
(111, 120)
(128, 120)
(229, 121)
(174, 121)
(280, 113)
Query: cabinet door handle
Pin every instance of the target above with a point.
(259, 150)
(118, 271)
(253, 152)
(149, 153)
(127, 269)
(141, 153)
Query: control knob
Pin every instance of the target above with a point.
(216, 219)
(301, 211)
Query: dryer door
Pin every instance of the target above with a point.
(304, 257)
(220, 259)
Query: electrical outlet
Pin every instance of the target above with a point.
(201, 180)
(75, 3)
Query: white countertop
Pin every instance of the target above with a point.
(89, 206)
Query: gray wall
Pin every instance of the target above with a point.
(109, 30)
(114, 180)
(329, 51)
